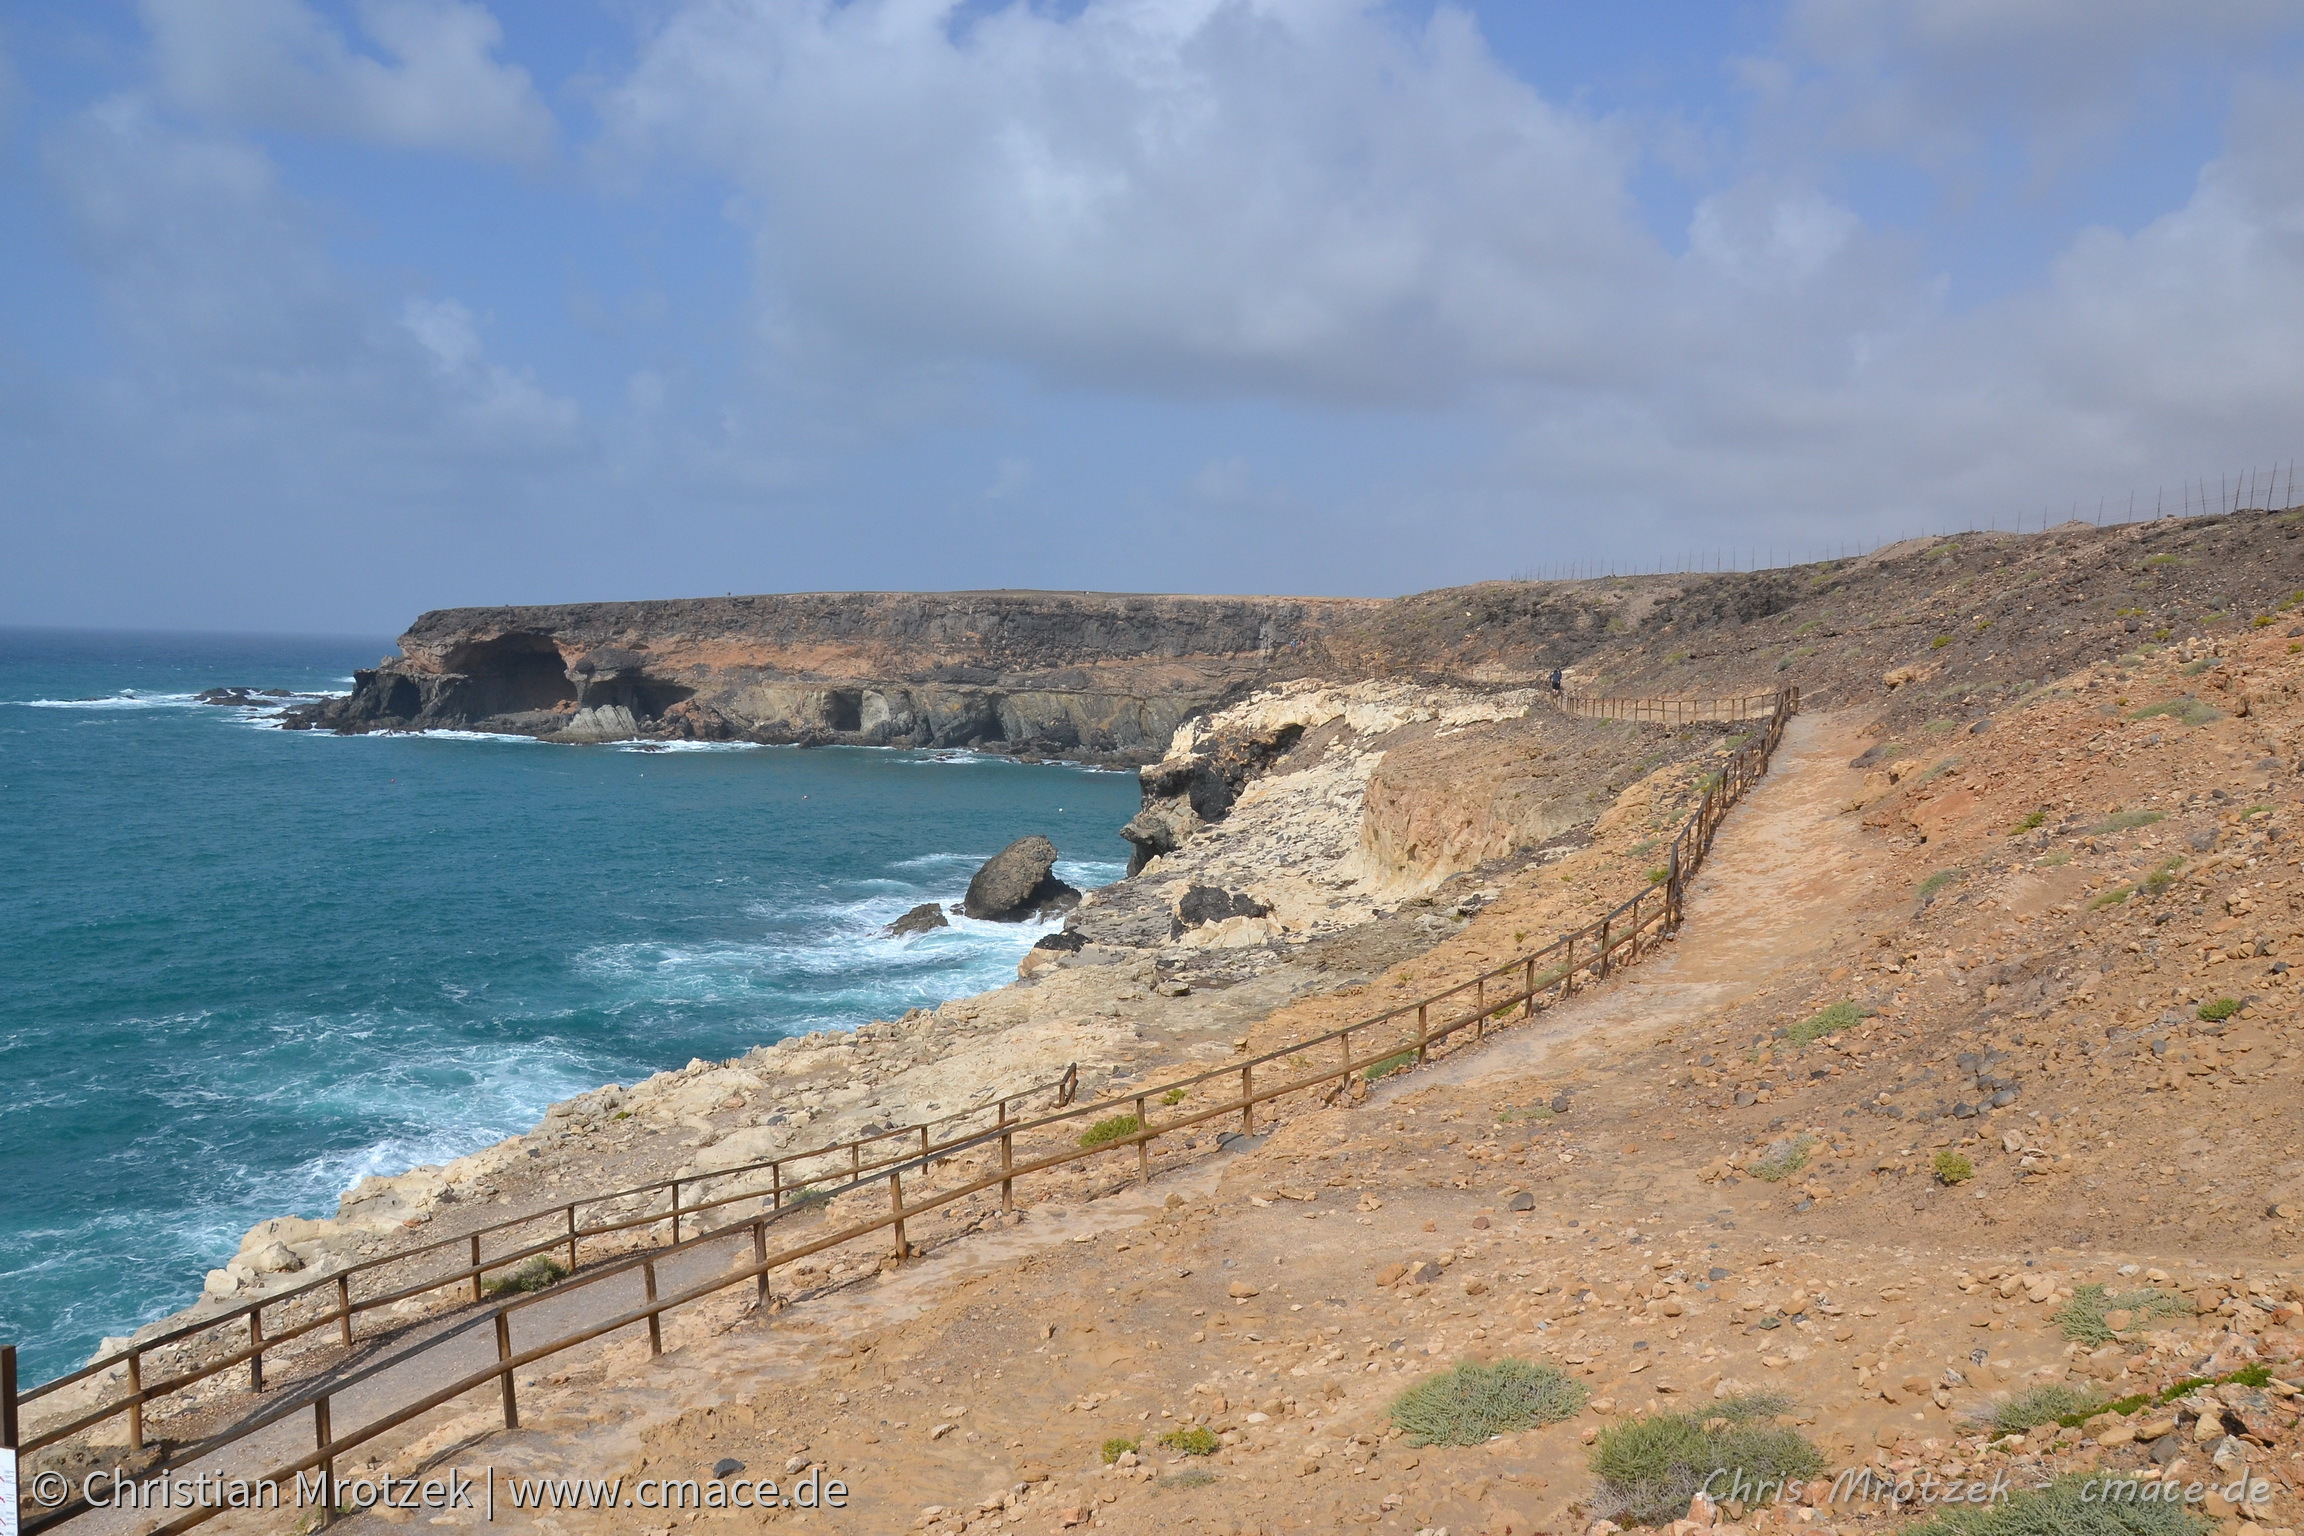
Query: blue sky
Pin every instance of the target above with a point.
(320, 314)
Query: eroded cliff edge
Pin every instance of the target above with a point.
(1093, 675)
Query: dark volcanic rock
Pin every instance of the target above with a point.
(924, 918)
(1017, 883)
(1208, 904)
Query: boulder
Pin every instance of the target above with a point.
(1209, 904)
(1017, 883)
(924, 918)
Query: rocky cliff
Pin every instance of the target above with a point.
(1079, 674)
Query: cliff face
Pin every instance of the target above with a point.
(1080, 674)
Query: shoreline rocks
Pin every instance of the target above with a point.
(1019, 883)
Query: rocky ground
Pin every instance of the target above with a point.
(1984, 1000)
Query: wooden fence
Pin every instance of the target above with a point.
(1322, 1069)
(1751, 706)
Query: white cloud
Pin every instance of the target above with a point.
(1937, 81)
(278, 63)
(1174, 195)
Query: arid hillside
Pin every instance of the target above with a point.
(1953, 1136)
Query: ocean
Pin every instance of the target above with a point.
(241, 967)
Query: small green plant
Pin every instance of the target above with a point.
(1659, 875)
(1467, 1405)
(2031, 820)
(1936, 883)
(1650, 1466)
(1398, 1061)
(534, 1275)
(2195, 668)
(1938, 728)
(2047, 1403)
(2126, 821)
(1173, 1096)
(1117, 1447)
(2221, 1009)
(1939, 642)
(2082, 1318)
(2164, 559)
(2162, 876)
(1193, 1440)
(1782, 1159)
(2111, 898)
(1953, 1168)
(1110, 1130)
(2186, 711)
(2054, 858)
(2263, 621)
(1837, 1017)
(2082, 1504)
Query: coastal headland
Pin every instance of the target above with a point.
(1968, 1077)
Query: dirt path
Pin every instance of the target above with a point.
(1785, 873)
(1135, 1298)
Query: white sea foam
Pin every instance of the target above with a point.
(686, 746)
(124, 700)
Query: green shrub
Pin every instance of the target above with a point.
(1173, 1096)
(2067, 1507)
(1659, 875)
(2049, 1403)
(1466, 1405)
(1953, 1168)
(1939, 642)
(1117, 1447)
(2219, 1010)
(1398, 1061)
(2082, 1318)
(2162, 877)
(1837, 1017)
(2111, 898)
(2186, 710)
(2031, 820)
(2126, 820)
(1193, 1440)
(1649, 1467)
(1936, 882)
(1783, 1159)
(1110, 1130)
(534, 1275)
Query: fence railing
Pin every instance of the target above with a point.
(1322, 1069)
(272, 1321)
(1751, 706)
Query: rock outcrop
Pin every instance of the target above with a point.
(1092, 675)
(924, 918)
(1018, 884)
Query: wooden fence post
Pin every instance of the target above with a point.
(10, 1434)
(655, 1318)
(256, 1341)
(135, 1400)
(675, 1216)
(896, 1205)
(503, 1353)
(1247, 1101)
(1423, 1034)
(1007, 1161)
(760, 1256)
(476, 1293)
(321, 1435)
(1143, 1141)
(344, 1310)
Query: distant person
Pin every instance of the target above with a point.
(1555, 679)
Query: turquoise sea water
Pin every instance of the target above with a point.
(240, 967)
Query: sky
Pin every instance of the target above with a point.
(319, 313)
